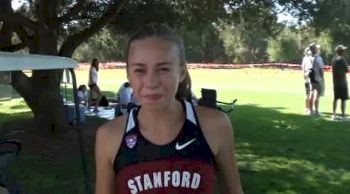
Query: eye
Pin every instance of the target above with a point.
(164, 69)
(139, 70)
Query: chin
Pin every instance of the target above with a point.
(153, 107)
(156, 105)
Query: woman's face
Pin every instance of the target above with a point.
(154, 71)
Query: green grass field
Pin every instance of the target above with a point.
(279, 149)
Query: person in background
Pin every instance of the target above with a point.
(124, 97)
(82, 95)
(306, 66)
(340, 85)
(316, 78)
(94, 88)
(165, 145)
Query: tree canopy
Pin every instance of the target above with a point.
(214, 30)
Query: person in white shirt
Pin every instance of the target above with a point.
(306, 66)
(94, 89)
(316, 78)
(124, 97)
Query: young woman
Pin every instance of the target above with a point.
(165, 145)
(94, 89)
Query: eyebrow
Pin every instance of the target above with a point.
(158, 64)
(163, 63)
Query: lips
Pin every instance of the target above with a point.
(152, 97)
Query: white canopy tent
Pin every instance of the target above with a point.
(18, 62)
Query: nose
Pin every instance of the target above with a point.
(151, 80)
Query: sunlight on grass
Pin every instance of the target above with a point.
(311, 174)
(13, 106)
(14, 109)
(281, 124)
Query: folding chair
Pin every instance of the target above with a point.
(9, 150)
(208, 99)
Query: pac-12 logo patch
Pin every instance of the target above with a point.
(131, 140)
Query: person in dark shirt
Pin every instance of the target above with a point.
(165, 145)
(340, 85)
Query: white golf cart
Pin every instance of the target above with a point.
(19, 62)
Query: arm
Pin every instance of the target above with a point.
(320, 61)
(105, 180)
(218, 132)
(226, 161)
(306, 66)
(108, 139)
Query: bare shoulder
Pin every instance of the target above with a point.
(112, 129)
(109, 136)
(213, 121)
(216, 126)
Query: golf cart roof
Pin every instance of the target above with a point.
(18, 61)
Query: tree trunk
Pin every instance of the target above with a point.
(41, 92)
(49, 113)
(44, 97)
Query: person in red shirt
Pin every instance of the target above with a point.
(165, 145)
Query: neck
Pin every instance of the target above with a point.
(159, 120)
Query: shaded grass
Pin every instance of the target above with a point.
(54, 175)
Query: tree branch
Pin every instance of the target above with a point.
(71, 12)
(13, 48)
(21, 82)
(75, 40)
(20, 19)
(21, 33)
(15, 22)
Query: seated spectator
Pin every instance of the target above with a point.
(82, 95)
(125, 99)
